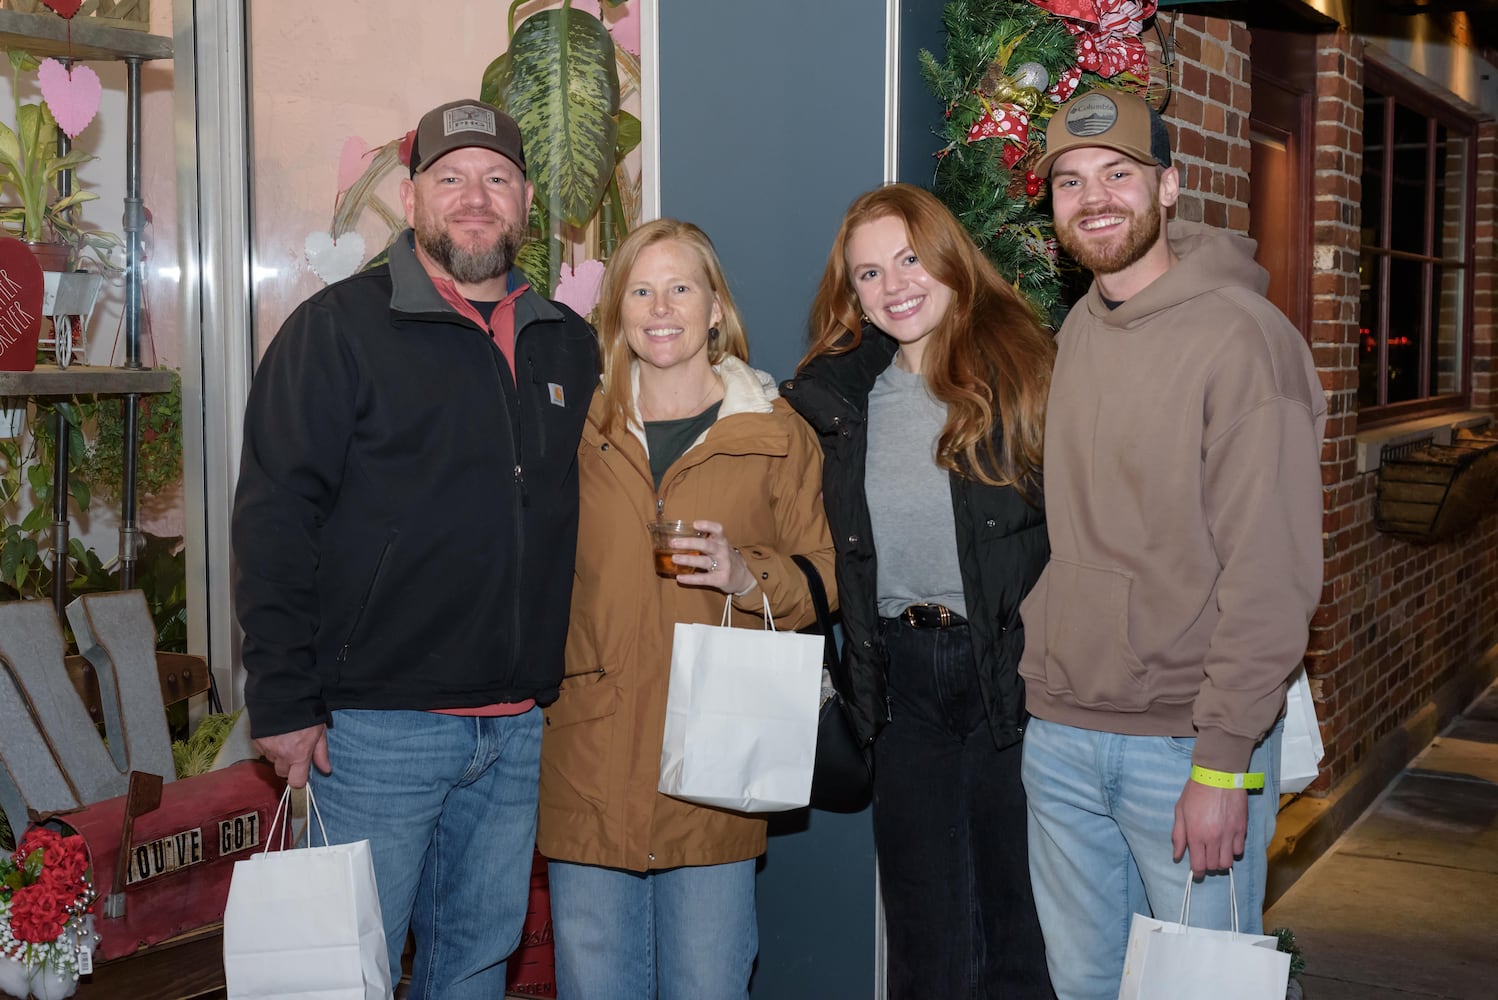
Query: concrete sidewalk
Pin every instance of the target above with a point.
(1405, 903)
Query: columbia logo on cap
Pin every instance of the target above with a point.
(1093, 114)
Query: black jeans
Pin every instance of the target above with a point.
(949, 829)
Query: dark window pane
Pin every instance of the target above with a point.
(1451, 194)
(1373, 166)
(1410, 181)
(1407, 315)
(1447, 323)
(1368, 272)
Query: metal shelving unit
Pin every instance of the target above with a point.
(88, 39)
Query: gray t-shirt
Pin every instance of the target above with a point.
(910, 498)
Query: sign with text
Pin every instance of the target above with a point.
(21, 286)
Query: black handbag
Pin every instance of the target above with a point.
(841, 780)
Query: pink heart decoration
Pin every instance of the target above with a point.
(67, 8)
(579, 288)
(73, 97)
(351, 162)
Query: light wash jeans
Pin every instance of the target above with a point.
(448, 804)
(1101, 810)
(678, 934)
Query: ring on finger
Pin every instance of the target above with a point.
(714, 565)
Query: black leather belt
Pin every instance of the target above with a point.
(931, 616)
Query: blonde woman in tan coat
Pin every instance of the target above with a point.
(652, 896)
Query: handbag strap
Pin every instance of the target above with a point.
(824, 621)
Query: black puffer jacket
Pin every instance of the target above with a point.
(1001, 545)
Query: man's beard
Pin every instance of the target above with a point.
(1140, 235)
(469, 266)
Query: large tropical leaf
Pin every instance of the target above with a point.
(561, 85)
(630, 131)
(534, 261)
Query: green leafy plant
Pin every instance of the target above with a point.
(1287, 943)
(1002, 58)
(195, 754)
(30, 165)
(159, 449)
(26, 464)
(561, 80)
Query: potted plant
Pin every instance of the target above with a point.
(30, 165)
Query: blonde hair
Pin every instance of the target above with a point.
(988, 359)
(618, 391)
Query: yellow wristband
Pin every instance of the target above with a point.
(1224, 779)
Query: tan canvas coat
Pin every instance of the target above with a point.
(757, 470)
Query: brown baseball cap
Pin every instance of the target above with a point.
(459, 124)
(1111, 119)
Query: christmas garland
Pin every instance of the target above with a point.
(1010, 64)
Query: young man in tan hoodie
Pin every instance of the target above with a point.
(1183, 498)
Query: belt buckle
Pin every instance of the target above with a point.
(943, 616)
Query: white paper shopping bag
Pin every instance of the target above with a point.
(1301, 748)
(305, 924)
(741, 716)
(1167, 961)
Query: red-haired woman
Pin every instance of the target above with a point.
(926, 383)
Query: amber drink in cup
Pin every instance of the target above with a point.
(661, 534)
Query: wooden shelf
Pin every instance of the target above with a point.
(84, 380)
(47, 35)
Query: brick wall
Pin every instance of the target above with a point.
(1397, 620)
(1209, 107)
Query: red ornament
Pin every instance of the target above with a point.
(1080, 10)
(66, 8)
(1111, 44)
(1008, 122)
(1066, 85)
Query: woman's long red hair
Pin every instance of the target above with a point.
(989, 359)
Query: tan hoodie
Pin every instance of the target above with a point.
(1183, 495)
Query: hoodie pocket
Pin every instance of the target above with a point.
(1089, 659)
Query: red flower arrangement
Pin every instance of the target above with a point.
(44, 887)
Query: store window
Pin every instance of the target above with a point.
(1415, 312)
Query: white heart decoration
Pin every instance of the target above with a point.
(334, 261)
(72, 97)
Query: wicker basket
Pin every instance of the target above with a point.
(1438, 491)
(115, 13)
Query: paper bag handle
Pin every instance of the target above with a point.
(277, 823)
(769, 618)
(1232, 899)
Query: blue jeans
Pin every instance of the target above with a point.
(949, 831)
(449, 807)
(1101, 810)
(677, 934)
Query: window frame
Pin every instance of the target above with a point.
(1403, 93)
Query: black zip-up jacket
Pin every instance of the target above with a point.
(1001, 546)
(406, 516)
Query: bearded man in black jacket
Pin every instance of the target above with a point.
(404, 531)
